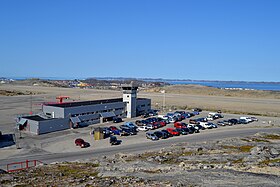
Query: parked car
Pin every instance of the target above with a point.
(128, 131)
(219, 115)
(80, 142)
(180, 125)
(206, 125)
(248, 119)
(182, 131)
(117, 120)
(213, 125)
(115, 130)
(193, 129)
(150, 127)
(197, 109)
(195, 113)
(242, 121)
(141, 122)
(167, 133)
(160, 135)
(143, 128)
(254, 119)
(173, 131)
(200, 127)
(202, 119)
(210, 118)
(190, 114)
(125, 132)
(130, 124)
(233, 121)
(146, 115)
(224, 123)
(114, 140)
(173, 119)
(151, 136)
(193, 121)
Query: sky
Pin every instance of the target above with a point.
(173, 39)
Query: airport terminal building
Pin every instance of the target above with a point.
(61, 116)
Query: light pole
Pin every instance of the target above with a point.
(163, 103)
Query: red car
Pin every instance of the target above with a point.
(82, 143)
(180, 125)
(160, 123)
(112, 128)
(173, 131)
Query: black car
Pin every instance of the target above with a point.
(114, 140)
(193, 129)
(160, 135)
(146, 115)
(197, 109)
(182, 131)
(128, 131)
(117, 120)
(167, 133)
(233, 121)
(200, 127)
(190, 114)
(202, 119)
(242, 121)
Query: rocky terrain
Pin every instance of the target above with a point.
(250, 161)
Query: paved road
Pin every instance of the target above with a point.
(140, 147)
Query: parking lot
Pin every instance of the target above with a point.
(63, 141)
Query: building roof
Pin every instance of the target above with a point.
(35, 118)
(85, 103)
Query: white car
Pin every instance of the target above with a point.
(143, 128)
(247, 119)
(167, 118)
(210, 118)
(150, 127)
(206, 125)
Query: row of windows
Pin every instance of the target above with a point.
(97, 112)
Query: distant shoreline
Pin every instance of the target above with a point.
(144, 79)
(231, 85)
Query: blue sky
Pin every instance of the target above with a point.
(180, 39)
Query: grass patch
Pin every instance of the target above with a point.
(255, 140)
(243, 148)
(152, 171)
(271, 136)
(188, 153)
(266, 162)
(238, 161)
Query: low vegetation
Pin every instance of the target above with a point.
(211, 91)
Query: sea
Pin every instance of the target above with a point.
(234, 85)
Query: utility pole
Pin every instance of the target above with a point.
(30, 104)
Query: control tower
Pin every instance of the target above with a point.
(130, 98)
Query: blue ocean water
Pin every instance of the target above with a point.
(242, 85)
